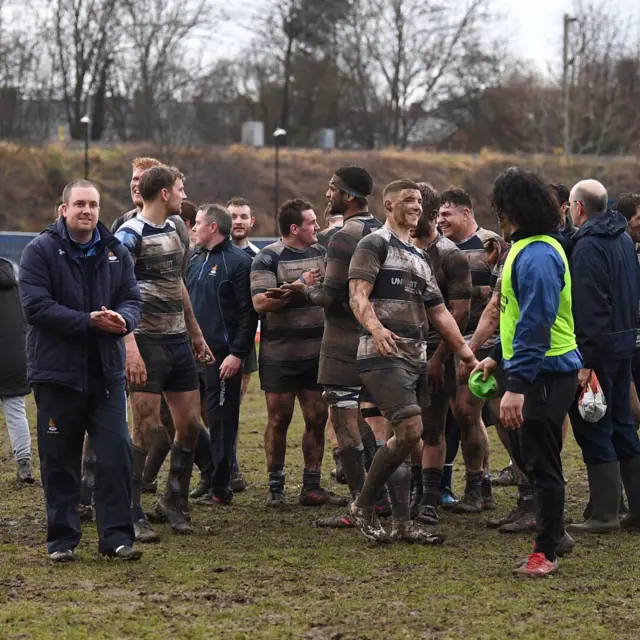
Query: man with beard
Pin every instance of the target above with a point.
(242, 223)
(482, 248)
(163, 435)
(453, 275)
(334, 222)
(291, 336)
(347, 194)
(394, 295)
(159, 357)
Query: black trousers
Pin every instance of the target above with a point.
(63, 416)
(614, 437)
(221, 402)
(536, 448)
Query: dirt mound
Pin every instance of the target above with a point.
(34, 177)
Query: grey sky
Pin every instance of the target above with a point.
(534, 27)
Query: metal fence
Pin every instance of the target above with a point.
(12, 243)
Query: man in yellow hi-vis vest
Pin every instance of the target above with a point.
(537, 351)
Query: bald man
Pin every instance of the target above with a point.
(606, 289)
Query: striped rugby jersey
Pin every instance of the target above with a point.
(477, 249)
(159, 253)
(404, 286)
(294, 332)
(453, 275)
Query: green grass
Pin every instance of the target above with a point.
(249, 573)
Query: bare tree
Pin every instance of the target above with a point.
(604, 80)
(84, 37)
(415, 45)
(157, 67)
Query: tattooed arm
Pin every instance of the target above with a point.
(383, 339)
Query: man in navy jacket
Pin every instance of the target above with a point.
(80, 297)
(218, 284)
(606, 289)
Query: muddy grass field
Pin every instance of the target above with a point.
(250, 573)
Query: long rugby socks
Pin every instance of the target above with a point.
(447, 476)
(399, 485)
(352, 460)
(276, 480)
(386, 461)
(310, 479)
(431, 483)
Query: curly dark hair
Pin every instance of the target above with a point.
(522, 198)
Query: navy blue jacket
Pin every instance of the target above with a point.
(57, 300)
(220, 293)
(537, 277)
(606, 289)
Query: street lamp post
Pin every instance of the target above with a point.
(86, 121)
(278, 134)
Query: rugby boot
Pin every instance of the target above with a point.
(411, 533)
(275, 497)
(537, 566)
(341, 521)
(605, 486)
(427, 515)
(144, 532)
(507, 477)
(237, 482)
(630, 472)
(447, 499)
(525, 507)
(472, 501)
(367, 522)
(317, 497)
(24, 472)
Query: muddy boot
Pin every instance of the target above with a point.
(156, 456)
(169, 506)
(630, 472)
(24, 472)
(604, 489)
(472, 501)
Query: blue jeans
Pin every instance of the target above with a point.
(63, 417)
(614, 437)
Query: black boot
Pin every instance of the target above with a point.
(630, 472)
(157, 453)
(472, 501)
(168, 507)
(604, 489)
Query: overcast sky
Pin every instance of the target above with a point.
(534, 27)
